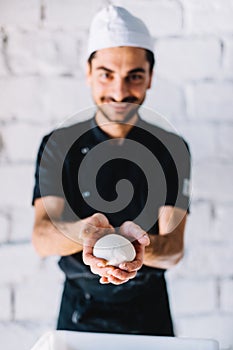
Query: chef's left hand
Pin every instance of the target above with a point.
(140, 239)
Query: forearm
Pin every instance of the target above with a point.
(56, 238)
(167, 248)
(164, 251)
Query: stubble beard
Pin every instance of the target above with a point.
(111, 116)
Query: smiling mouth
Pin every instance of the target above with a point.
(119, 106)
(115, 111)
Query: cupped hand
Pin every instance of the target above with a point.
(98, 225)
(140, 239)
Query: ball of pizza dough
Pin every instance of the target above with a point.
(115, 249)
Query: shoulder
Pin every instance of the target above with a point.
(66, 135)
(158, 130)
(67, 130)
(168, 137)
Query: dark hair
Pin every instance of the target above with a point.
(151, 59)
(149, 56)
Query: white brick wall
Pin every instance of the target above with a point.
(163, 91)
(213, 181)
(19, 13)
(205, 106)
(40, 303)
(190, 297)
(218, 324)
(70, 14)
(74, 94)
(227, 61)
(198, 228)
(42, 82)
(221, 227)
(3, 70)
(163, 19)
(209, 17)
(22, 335)
(205, 260)
(197, 137)
(45, 52)
(4, 224)
(185, 59)
(226, 299)
(20, 263)
(5, 297)
(21, 140)
(22, 98)
(225, 150)
(16, 183)
(21, 223)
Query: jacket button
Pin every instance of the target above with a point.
(84, 150)
(76, 317)
(86, 194)
(87, 296)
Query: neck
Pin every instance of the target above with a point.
(115, 129)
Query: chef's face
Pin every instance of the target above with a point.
(119, 78)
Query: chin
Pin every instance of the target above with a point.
(118, 115)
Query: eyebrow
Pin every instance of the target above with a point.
(135, 70)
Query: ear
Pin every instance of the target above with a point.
(150, 80)
(88, 73)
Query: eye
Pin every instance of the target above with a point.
(135, 78)
(105, 76)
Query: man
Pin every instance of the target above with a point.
(77, 200)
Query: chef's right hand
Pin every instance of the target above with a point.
(93, 228)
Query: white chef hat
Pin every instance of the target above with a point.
(114, 26)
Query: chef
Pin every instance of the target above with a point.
(114, 173)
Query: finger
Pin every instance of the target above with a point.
(134, 232)
(100, 220)
(144, 240)
(133, 266)
(90, 234)
(122, 274)
(90, 259)
(104, 280)
(137, 263)
(116, 281)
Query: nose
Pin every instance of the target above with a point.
(120, 89)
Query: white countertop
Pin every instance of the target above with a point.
(66, 340)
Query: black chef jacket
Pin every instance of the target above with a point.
(61, 156)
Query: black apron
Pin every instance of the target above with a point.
(139, 306)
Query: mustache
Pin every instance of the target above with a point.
(129, 99)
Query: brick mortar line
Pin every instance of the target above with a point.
(182, 35)
(43, 11)
(5, 56)
(218, 293)
(19, 162)
(200, 315)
